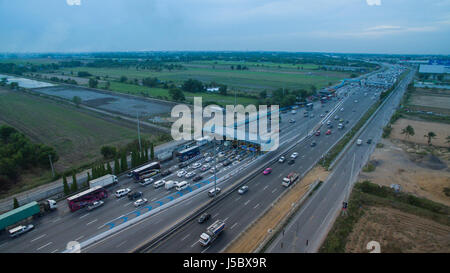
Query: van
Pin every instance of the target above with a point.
(159, 183)
(182, 185)
(170, 184)
(340, 126)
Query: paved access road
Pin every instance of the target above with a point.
(309, 227)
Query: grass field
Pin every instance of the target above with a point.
(77, 136)
(242, 80)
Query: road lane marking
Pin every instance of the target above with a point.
(54, 250)
(233, 225)
(206, 249)
(127, 204)
(194, 244)
(226, 219)
(237, 199)
(93, 221)
(153, 199)
(84, 215)
(44, 246)
(56, 220)
(275, 190)
(79, 238)
(265, 187)
(101, 226)
(37, 238)
(256, 206)
(245, 204)
(119, 245)
(182, 239)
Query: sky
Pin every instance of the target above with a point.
(347, 26)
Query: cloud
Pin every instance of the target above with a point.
(373, 2)
(73, 2)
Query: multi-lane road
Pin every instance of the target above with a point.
(54, 231)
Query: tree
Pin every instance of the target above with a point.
(152, 151)
(223, 90)
(66, 186)
(108, 151)
(15, 203)
(88, 177)
(123, 162)
(176, 94)
(93, 83)
(430, 136)
(408, 131)
(313, 88)
(116, 166)
(123, 79)
(109, 168)
(107, 85)
(77, 101)
(74, 186)
(150, 82)
(193, 86)
(263, 94)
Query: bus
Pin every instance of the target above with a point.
(188, 153)
(82, 199)
(146, 170)
(309, 106)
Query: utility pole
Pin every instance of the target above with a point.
(51, 164)
(139, 132)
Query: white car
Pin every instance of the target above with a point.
(146, 181)
(159, 183)
(235, 162)
(205, 167)
(95, 204)
(294, 155)
(322, 115)
(140, 202)
(196, 165)
(122, 192)
(208, 159)
(342, 109)
(190, 174)
(181, 173)
(221, 154)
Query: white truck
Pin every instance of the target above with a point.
(103, 181)
(170, 184)
(164, 156)
(288, 180)
(212, 232)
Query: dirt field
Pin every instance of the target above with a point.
(249, 240)
(423, 175)
(397, 231)
(422, 128)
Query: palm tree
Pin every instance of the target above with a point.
(430, 136)
(408, 131)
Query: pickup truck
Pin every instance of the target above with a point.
(289, 179)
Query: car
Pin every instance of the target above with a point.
(130, 174)
(342, 109)
(312, 115)
(243, 190)
(95, 204)
(197, 178)
(221, 154)
(328, 122)
(14, 232)
(328, 132)
(189, 174)
(341, 120)
(292, 161)
(218, 166)
(359, 142)
(213, 192)
(322, 115)
(227, 162)
(336, 117)
(292, 120)
(206, 155)
(294, 155)
(146, 181)
(122, 192)
(313, 144)
(204, 217)
(327, 111)
(235, 162)
(140, 202)
(205, 167)
(166, 173)
(369, 141)
(196, 165)
(181, 173)
(317, 133)
(330, 126)
(159, 183)
(356, 101)
(282, 159)
(212, 170)
(267, 171)
(134, 195)
(182, 165)
(208, 159)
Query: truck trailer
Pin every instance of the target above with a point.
(103, 181)
(212, 232)
(24, 212)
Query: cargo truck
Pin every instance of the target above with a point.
(162, 157)
(291, 178)
(212, 232)
(25, 212)
(103, 181)
(170, 184)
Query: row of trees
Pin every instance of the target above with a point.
(408, 131)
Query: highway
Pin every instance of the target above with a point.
(240, 211)
(307, 230)
(54, 231)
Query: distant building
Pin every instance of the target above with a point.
(434, 69)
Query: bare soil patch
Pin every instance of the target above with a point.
(249, 240)
(422, 128)
(416, 170)
(397, 231)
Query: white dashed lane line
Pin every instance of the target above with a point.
(44, 246)
(37, 238)
(93, 221)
